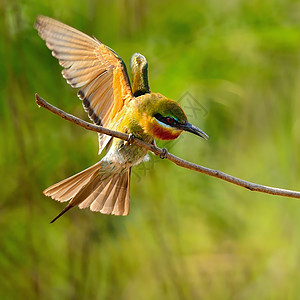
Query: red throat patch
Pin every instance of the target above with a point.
(165, 133)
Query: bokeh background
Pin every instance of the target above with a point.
(188, 236)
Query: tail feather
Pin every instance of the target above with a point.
(102, 187)
(86, 190)
(91, 198)
(122, 207)
(61, 213)
(73, 190)
(111, 195)
(96, 199)
(68, 188)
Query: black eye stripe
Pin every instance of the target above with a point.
(167, 120)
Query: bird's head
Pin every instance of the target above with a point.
(164, 119)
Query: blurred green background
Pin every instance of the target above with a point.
(188, 236)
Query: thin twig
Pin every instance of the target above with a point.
(158, 151)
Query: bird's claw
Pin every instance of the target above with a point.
(130, 139)
(164, 153)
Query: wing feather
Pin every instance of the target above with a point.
(91, 66)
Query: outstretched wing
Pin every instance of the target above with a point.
(91, 66)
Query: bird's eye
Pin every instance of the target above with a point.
(170, 120)
(166, 120)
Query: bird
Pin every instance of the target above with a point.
(113, 102)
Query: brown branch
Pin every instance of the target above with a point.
(158, 151)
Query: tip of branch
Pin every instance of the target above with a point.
(37, 99)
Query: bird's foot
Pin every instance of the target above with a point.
(164, 153)
(130, 139)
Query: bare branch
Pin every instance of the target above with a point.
(160, 152)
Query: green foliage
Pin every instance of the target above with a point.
(187, 236)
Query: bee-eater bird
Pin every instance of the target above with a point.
(111, 102)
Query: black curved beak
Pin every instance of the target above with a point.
(193, 129)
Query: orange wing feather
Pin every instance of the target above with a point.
(91, 66)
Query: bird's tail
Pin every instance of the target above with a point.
(103, 187)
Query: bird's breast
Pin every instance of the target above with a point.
(125, 154)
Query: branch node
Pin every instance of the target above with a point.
(130, 139)
(164, 153)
